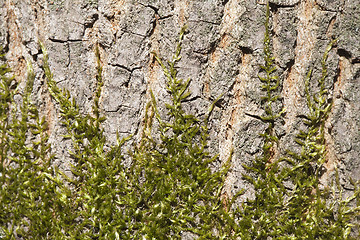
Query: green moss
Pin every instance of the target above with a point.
(305, 211)
(27, 194)
(169, 187)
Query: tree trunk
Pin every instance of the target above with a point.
(222, 52)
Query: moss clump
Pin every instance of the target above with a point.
(304, 211)
(168, 188)
(27, 194)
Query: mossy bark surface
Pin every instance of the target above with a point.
(221, 54)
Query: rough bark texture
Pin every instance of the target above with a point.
(221, 53)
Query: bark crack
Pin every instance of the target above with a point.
(65, 41)
(205, 21)
(130, 70)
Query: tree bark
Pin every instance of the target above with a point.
(222, 52)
